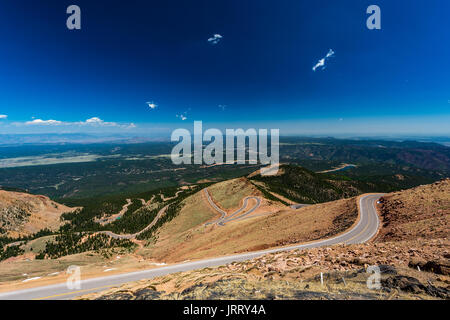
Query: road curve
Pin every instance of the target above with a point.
(223, 219)
(214, 205)
(244, 206)
(134, 235)
(363, 231)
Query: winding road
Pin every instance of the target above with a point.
(224, 219)
(134, 235)
(111, 218)
(364, 230)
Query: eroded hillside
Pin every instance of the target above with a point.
(419, 212)
(23, 214)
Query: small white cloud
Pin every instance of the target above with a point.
(44, 122)
(95, 120)
(215, 39)
(330, 53)
(322, 61)
(182, 116)
(151, 105)
(222, 106)
(3, 116)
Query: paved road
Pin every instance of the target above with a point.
(364, 230)
(222, 220)
(134, 235)
(233, 216)
(214, 205)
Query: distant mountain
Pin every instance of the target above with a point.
(68, 138)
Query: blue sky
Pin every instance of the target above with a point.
(259, 74)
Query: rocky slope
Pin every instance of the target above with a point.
(23, 214)
(423, 212)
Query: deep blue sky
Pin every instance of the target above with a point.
(393, 80)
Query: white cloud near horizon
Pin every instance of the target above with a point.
(322, 61)
(3, 116)
(97, 121)
(43, 122)
(215, 39)
(93, 122)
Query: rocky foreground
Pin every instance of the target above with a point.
(296, 275)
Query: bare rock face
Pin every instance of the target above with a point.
(23, 214)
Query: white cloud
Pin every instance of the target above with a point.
(330, 53)
(44, 122)
(322, 61)
(151, 105)
(222, 106)
(98, 121)
(3, 116)
(182, 116)
(215, 39)
(93, 122)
